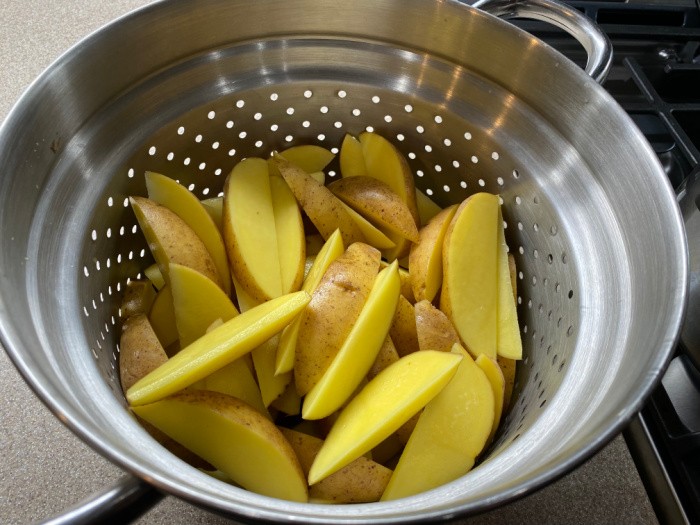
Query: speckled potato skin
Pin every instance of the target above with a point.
(334, 307)
(403, 329)
(172, 240)
(362, 481)
(433, 328)
(140, 352)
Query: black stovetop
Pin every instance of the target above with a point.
(655, 77)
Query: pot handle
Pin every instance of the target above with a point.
(582, 28)
(121, 503)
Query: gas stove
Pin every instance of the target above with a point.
(655, 77)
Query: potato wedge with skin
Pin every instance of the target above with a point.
(140, 352)
(362, 481)
(495, 377)
(323, 208)
(217, 348)
(262, 461)
(215, 209)
(197, 302)
(288, 402)
(385, 163)
(359, 350)
(373, 235)
(138, 298)
(178, 199)
(427, 209)
(403, 328)
(154, 275)
(433, 329)
(387, 402)
(509, 343)
(250, 231)
(331, 250)
(309, 157)
(508, 367)
(335, 305)
(434, 456)
(352, 159)
(291, 243)
(469, 294)
(425, 258)
(170, 239)
(387, 356)
(376, 201)
(162, 317)
(235, 379)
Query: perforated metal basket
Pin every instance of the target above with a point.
(189, 88)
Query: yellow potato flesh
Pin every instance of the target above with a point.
(171, 239)
(217, 348)
(289, 402)
(331, 250)
(162, 317)
(352, 160)
(427, 209)
(167, 192)
(323, 208)
(385, 163)
(359, 350)
(197, 302)
(335, 305)
(309, 157)
(235, 379)
(388, 401)
(238, 441)
(250, 230)
(495, 377)
(374, 236)
(215, 209)
(508, 340)
(469, 294)
(362, 481)
(450, 433)
(291, 243)
(154, 275)
(508, 367)
(425, 259)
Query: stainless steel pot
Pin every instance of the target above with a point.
(189, 87)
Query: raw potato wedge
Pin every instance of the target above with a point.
(495, 377)
(324, 209)
(362, 481)
(154, 275)
(387, 402)
(178, 199)
(289, 402)
(403, 328)
(352, 159)
(434, 456)
(309, 157)
(427, 209)
(508, 366)
(171, 239)
(162, 317)
(425, 259)
(250, 231)
(215, 209)
(433, 329)
(373, 235)
(469, 294)
(138, 298)
(387, 356)
(359, 350)
(331, 250)
(335, 305)
(140, 352)
(291, 243)
(377, 202)
(262, 461)
(197, 302)
(217, 348)
(509, 343)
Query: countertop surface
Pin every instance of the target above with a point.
(45, 468)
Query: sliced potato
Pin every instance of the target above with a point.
(291, 243)
(138, 298)
(433, 329)
(140, 352)
(162, 317)
(508, 341)
(352, 159)
(427, 209)
(495, 377)
(309, 157)
(403, 328)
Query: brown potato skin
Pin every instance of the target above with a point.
(362, 481)
(403, 328)
(138, 298)
(334, 307)
(434, 329)
(140, 352)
